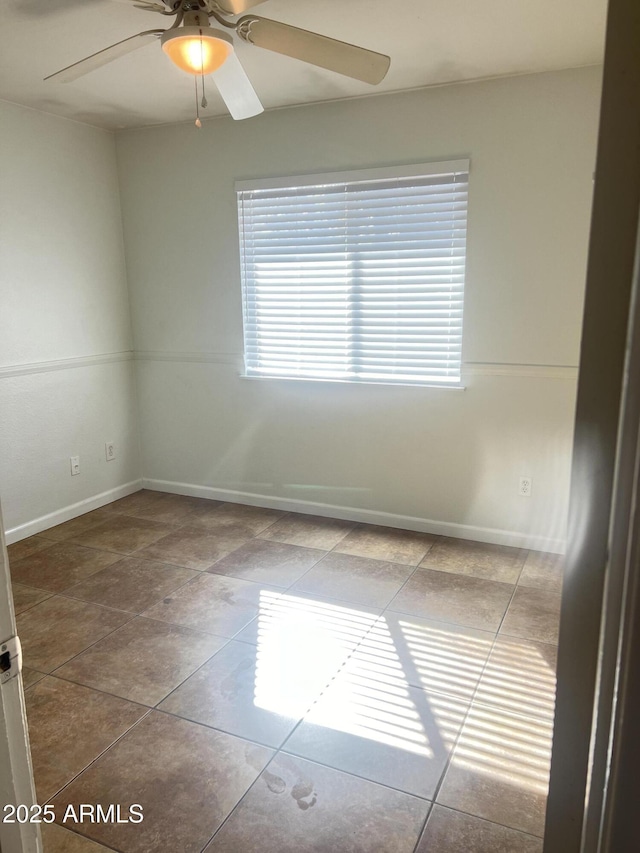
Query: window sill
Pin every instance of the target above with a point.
(458, 386)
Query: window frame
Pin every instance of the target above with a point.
(383, 173)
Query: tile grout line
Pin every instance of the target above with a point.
(449, 761)
(281, 749)
(492, 822)
(100, 754)
(86, 837)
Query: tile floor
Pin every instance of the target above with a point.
(262, 681)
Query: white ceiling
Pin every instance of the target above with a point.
(429, 41)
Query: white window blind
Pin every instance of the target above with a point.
(357, 278)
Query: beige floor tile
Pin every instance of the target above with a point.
(214, 603)
(534, 615)
(500, 769)
(28, 546)
(132, 584)
(372, 723)
(246, 692)
(186, 777)
(123, 534)
(448, 831)
(59, 840)
(386, 543)
(69, 726)
(432, 655)
(30, 677)
(476, 559)
(299, 806)
(251, 519)
(308, 530)
(520, 677)
(451, 597)
(59, 628)
(268, 562)
(357, 579)
(194, 548)
(60, 566)
(24, 597)
(143, 661)
(75, 527)
(543, 571)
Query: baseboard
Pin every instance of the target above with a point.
(15, 534)
(494, 536)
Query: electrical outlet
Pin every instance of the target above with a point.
(110, 451)
(526, 485)
(75, 465)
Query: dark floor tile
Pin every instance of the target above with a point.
(28, 546)
(476, 559)
(132, 584)
(69, 726)
(60, 566)
(250, 520)
(194, 548)
(24, 597)
(76, 526)
(310, 531)
(448, 831)
(372, 723)
(139, 501)
(543, 571)
(30, 677)
(534, 615)
(246, 692)
(123, 534)
(167, 508)
(386, 543)
(59, 840)
(303, 641)
(520, 677)
(186, 777)
(268, 562)
(435, 656)
(143, 661)
(214, 603)
(59, 628)
(450, 597)
(500, 769)
(300, 807)
(357, 579)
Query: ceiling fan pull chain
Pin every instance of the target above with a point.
(198, 122)
(204, 101)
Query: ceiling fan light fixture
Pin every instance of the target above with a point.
(197, 50)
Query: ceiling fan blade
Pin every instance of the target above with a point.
(236, 90)
(347, 59)
(151, 7)
(102, 57)
(147, 6)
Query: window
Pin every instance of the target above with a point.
(355, 277)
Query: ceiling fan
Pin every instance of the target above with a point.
(198, 48)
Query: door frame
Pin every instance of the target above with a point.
(16, 772)
(596, 607)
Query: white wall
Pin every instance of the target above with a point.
(439, 459)
(66, 377)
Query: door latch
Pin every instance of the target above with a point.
(10, 659)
